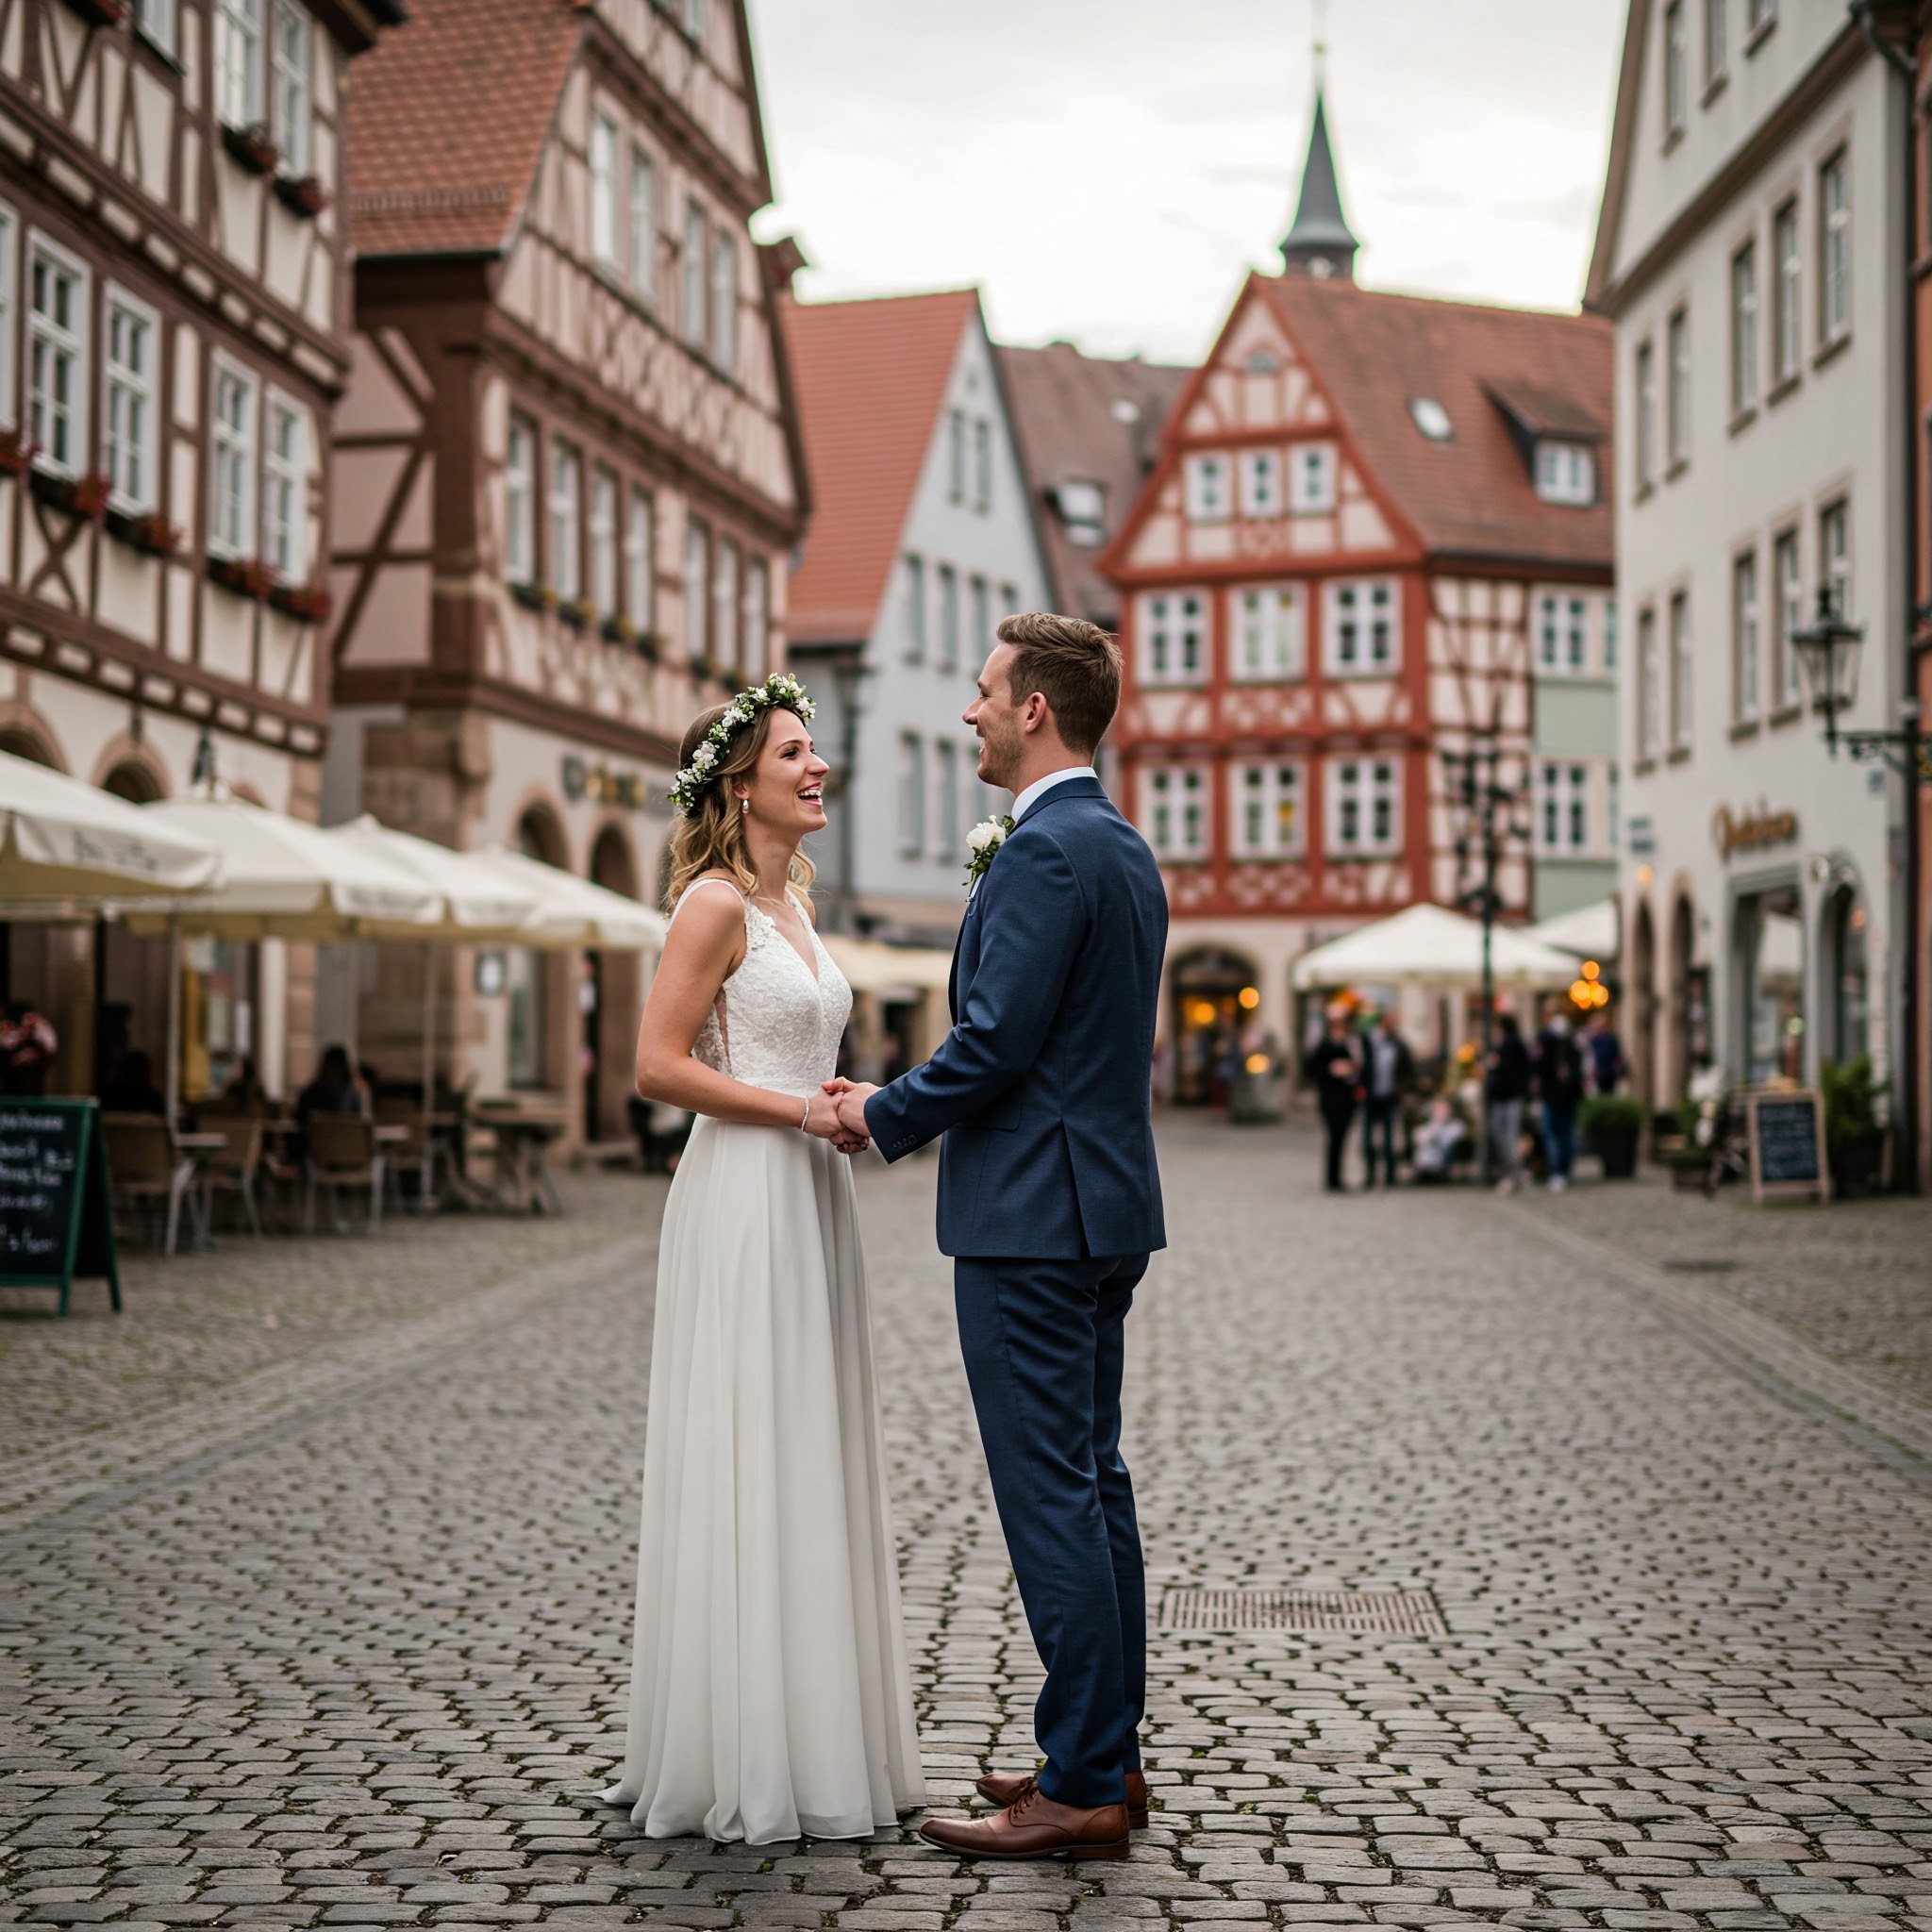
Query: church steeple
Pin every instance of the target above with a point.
(1321, 242)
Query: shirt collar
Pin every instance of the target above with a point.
(1041, 787)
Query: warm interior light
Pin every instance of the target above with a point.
(1258, 1063)
(1251, 999)
(1201, 1012)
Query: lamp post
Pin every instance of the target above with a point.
(1828, 654)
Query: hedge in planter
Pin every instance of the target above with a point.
(1610, 1125)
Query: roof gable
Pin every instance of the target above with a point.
(872, 378)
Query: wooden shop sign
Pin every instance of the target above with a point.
(1749, 830)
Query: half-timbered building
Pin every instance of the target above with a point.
(570, 475)
(173, 337)
(1374, 533)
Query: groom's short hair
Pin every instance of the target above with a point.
(1075, 666)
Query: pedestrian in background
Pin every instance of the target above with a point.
(1333, 1066)
(1559, 1091)
(27, 1046)
(1603, 1056)
(1388, 1078)
(1506, 1087)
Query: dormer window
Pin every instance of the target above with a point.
(1082, 507)
(1431, 418)
(1566, 472)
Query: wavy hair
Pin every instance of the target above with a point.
(710, 837)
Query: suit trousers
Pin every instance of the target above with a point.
(1045, 1352)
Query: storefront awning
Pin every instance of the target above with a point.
(1590, 932)
(61, 841)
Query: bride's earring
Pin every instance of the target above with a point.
(744, 806)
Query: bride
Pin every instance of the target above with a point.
(770, 1695)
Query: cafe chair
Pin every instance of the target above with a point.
(343, 1154)
(235, 1168)
(411, 1159)
(146, 1170)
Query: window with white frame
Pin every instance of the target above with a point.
(946, 798)
(956, 455)
(154, 21)
(1744, 329)
(1562, 635)
(603, 158)
(1610, 634)
(979, 639)
(1717, 49)
(1835, 247)
(1649, 687)
(520, 503)
(1173, 635)
(1259, 474)
(644, 225)
(1789, 618)
(1566, 472)
(288, 88)
(911, 793)
(603, 541)
(1788, 260)
(1364, 818)
(284, 487)
(1646, 415)
(947, 656)
(1267, 809)
(725, 606)
(757, 619)
(640, 573)
(1676, 69)
(566, 523)
(238, 61)
(982, 464)
(1270, 633)
(1677, 407)
(691, 273)
(1361, 627)
(1311, 478)
(1207, 489)
(697, 587)
(1744, 636)
(1682, 671)
(232, 473)
(693, 12)
(915, 610)
(1175, 808)
(1835, 553)
(1563, 816)
(127, 420)
(56, 356)
(724, 301)
(9, 308)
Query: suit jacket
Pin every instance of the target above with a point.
(1042, 1088)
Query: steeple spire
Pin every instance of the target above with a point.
(1321, 242)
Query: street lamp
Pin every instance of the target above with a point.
(1829, 654)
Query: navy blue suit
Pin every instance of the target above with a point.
(1049, 1200)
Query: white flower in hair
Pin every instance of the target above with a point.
(780, 688)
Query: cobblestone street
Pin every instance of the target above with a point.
(315, 1591)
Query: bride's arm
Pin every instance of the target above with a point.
(698, 952)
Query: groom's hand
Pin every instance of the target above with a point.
(851, 1097)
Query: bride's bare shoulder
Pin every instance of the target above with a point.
(707, 916)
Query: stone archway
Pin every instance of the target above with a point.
(540, 1037)
(1214, 992)
(1644, 1004)
(613, 982)
(1687, 1043)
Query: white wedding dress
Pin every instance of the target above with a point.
(770, 1695)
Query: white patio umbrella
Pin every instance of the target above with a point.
(64, 841)
(1430, 946)
(572, 911)
(1590, 932)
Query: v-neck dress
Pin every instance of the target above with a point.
(770, 1695)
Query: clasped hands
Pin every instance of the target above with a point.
(842, 1122)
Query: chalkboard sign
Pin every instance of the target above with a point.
(1788, 1145)
(56, 1219)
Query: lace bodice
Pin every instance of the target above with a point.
(774, 1026)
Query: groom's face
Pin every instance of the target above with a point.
(997, 720)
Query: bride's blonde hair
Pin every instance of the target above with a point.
(710, 837)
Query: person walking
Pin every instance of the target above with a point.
(1559, 1090)
(1388, 1078)
(1333, 1067)
(1604, 1056)
(1506, 1087)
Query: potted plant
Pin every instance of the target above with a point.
(534, 596)
(145, 529)
(578, 612)
(302, 194)
(245, 575)
(306, 603)
(78, 496)
(254, 146)
(1611, 1125)
(101, 13)
(618, 630)
(16, 453)
(650, 647)
(1852, 1136)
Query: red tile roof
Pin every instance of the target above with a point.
(1473, 495)
(447, 119)
(1084, 418)
(871, 377)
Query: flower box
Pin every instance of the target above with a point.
(579, 613)
(705, 665)
(101, 13)
(245, 575)
(147, 529)
(16, 453)
(618, 630)
(650, 647)
(302, 194)
(78, 496)
(534, 596)
(254, 147)
(306, 603)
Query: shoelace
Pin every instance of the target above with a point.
(1028, 1791)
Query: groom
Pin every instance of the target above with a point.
(1049, 1201)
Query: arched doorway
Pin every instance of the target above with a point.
(1643, 1004)
(611, 1000)
(1214, 994)
(1689, 1034)
(1846, 983)
(1773, 1017)
(534, 983)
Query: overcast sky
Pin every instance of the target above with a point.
(1107, 169)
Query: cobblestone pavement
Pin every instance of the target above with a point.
(356, 1657)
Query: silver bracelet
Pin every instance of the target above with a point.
(805, 1124)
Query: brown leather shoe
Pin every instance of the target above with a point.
(1003, 1787)
(1033, 1826)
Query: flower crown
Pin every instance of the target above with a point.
(780, 691)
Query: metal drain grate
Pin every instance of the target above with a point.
(1392, 1612)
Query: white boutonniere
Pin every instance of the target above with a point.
(982, 841)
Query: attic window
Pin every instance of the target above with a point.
(1082, 507)
(1263, 362)
(1124, 411)
(1431, 418)
(1566, 472)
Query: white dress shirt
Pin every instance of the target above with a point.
(1041, 787)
